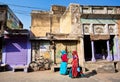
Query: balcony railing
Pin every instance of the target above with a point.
(99, 10)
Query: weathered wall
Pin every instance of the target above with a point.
(55, 24)
(75, 20)
(46, 22)
(70, 21)
(40, 48)
(65, 45)
(55, 17)
(65, 22)
(40, 23)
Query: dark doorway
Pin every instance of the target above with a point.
(100, 49)
(87, 48)
(1, 44)
(0, 25)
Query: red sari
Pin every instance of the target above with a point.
(75, 64)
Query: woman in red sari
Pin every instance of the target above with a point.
(75, 64)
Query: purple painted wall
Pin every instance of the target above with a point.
(17, 51)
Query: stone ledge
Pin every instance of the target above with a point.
(20, 67)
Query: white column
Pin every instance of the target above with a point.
(80, 50)
(91, 30)
(105, 10)
(4, 55)
(53, 55)
(117, 47)
(108, 50)
(106, 30)
(90, 10)
(93, 52)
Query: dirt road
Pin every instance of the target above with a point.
(49, 76)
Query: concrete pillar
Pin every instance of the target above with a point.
(52, 55)
(93, 52)
(105, 10)
(118, 50)
(4, 55)
(80, 50)
(52, 50)
(108, 50)
(117, 47)
(90, 10)
(29, 52)
(33, 54)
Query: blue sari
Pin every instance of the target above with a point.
(63, 68)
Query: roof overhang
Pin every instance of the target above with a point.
(59, 36)
(16, 32)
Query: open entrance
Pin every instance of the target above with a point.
(1, 44)
(87, 48)
(100, 48)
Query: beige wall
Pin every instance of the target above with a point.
(55, 24)
(75, 27)
(40, 23)
(69, 22)
(65, 22)
(43, 22)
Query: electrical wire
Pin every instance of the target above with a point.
(23, 6)
(21, 13)
(26, 13)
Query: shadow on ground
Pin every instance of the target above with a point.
(90, 73)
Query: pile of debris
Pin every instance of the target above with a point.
(40, 64)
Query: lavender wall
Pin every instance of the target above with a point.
(17, 51)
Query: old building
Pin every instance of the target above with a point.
(5, 23)
(91, 30)
(15, 45)
(99, 26)
(47, 40)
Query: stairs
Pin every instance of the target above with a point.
(102, 66)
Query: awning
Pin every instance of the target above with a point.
(99, 21)
(16, 32)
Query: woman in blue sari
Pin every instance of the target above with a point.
(63, 65)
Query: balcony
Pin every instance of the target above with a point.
(99, 10)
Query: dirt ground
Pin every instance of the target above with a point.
(49, 76)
